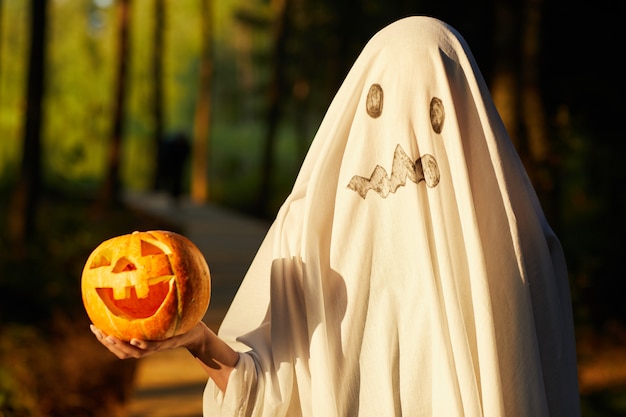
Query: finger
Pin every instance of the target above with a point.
(111, 343)
(122, 349)
(119, 348)
(157, 345)
(140, 344)
(97, 332)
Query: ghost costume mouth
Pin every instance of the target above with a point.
(137, 302)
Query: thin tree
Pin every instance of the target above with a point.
(157, 80)
(505, 80)
(541, 149)
(112, 185)
(517, 93)
(1, 52)
(202, 118)
(25, 198)
(275, 99)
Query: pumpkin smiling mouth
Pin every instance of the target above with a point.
(137, 302)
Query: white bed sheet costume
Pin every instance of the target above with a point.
(411, 270)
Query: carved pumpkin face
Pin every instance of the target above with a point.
(146, 285)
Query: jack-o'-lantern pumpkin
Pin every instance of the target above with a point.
(146, 285)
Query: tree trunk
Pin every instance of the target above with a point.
(542, 160)
(505, 80)
(157, 80)
(275, 97)
(1, 52)
(202, 119)
(112, 186)
(25, 199)
(517, 94)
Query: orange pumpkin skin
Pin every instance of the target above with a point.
(146, 285)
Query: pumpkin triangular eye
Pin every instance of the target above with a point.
(100, 260)
(122, 265)
(150, 249)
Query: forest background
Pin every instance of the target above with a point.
(90, 88)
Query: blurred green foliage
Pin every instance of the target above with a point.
(79, 85)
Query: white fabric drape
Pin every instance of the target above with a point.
(411, 271)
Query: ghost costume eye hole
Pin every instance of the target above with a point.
(437, 114)
(374, 101)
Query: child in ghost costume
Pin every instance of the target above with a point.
(411, 270)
